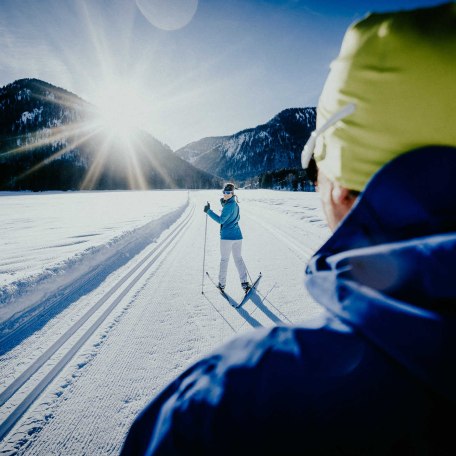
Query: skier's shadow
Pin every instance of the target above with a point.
(242, 312)
(230, 299)
(259, 302)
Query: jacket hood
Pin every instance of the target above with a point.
(388, 269)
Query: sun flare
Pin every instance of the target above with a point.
(121, 110)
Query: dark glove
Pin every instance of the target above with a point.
(207, 207)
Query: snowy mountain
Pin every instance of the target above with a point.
(250, 153)
(191, 152)
(50, 140)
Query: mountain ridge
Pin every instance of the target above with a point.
(249, 153)
(49, 141)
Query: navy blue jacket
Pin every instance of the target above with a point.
(376, 376)
(228, 219)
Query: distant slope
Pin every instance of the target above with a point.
(49, 140)
(273, 146)
(191, 152)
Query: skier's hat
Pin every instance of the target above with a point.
(229, 187)
(391, 89)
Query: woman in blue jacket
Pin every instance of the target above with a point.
(230, 236)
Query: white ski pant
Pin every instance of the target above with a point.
(226, 247)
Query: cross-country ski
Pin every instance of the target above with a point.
(222, 291)
(250, 291)
(234, 303)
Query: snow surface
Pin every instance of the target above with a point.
(101, 302)
(44, 235)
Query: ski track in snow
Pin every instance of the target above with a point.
(44, 265)
(67, 354)
(157, 321)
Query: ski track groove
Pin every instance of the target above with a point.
(129, 245)
(302, 252)
(34, 314)
(154, 319)
(24, 377)
(281, 231)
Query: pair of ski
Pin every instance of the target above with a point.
(230, 300)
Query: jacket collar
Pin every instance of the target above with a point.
(386, 269)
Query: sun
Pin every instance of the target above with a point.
(121, 109)
(119, 117)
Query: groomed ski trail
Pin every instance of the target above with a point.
(75, 337)
(161, 325)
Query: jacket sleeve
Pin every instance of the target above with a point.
(213, 215)
(227, 212)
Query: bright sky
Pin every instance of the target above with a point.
(190, 68)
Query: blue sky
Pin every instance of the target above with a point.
(187, 69)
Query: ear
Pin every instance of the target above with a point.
(342, 197)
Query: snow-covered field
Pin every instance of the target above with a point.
(45, 236)
(101, 302)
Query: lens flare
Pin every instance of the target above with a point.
(168, 14)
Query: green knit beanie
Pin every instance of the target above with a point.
(399, 70)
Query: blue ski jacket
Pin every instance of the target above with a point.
(374, 376)
(228, 219)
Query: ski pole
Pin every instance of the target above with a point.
(248, 273)
(204, 256)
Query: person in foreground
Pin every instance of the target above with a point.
(230, 236)
(375, 376)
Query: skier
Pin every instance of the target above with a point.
(230, 236)
(375, 374)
